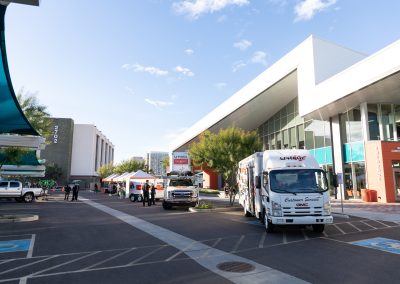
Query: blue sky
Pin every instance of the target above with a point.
(143, 71)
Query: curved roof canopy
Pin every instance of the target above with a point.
(12, 119)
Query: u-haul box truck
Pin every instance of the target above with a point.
(284, 187)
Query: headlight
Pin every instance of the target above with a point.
(276, 209)
(327, 208)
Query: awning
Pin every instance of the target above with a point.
(142, 175)
(12, 119)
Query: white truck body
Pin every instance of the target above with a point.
(284, 187)
(14, 189)
(180, 191)
(135, 189)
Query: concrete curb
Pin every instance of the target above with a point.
(340, 215)
(18, 218)
(218, 209)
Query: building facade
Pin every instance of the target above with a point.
(154, 162)
(91, 149)
(79, 150)
(341, 105)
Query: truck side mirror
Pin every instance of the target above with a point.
(258, 182)
(335, 180)
(265, 179)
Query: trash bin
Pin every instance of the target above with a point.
(372, 195)
(364, 194)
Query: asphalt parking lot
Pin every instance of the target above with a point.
(123, 241)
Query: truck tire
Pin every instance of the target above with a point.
(166, 205)
(269, 227)
(245, 212)
(132, 198)
(139, 198)
(28, 197)
(318, 228)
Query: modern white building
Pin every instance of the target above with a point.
(154, 162)
(342, 105)
(91, 149)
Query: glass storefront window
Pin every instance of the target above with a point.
(373, 124)
(397, 121)
(354, 128)
(292, 137)
(300, 136)
(387, 122)
(308, 135)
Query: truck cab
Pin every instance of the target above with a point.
(285, 187)
(180, 191)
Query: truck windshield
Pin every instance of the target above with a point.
(180, 182)
(298, 181)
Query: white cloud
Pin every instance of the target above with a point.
(189, 51)
(238, 65)
(184, 71)
(221, 85)
(194, 8)
(148, 69)
(306, 9)
(259, 57)
(158, 104)
(243, 44)
(130, 90)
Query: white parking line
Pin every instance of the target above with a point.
(340, 230)
(261, 243)
(26, 265)
(368, 225)
(108, 259)
(260, 274)
(238, 243)
(382, 223)
(30, 250)
(354, 226)
(146, 255)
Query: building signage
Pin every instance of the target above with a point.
(55, 134)
(180, 161)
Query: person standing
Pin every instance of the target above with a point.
(75, 191)
(153, 194)
(145, 190)
(67, 191)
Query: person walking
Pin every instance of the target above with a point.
(153, 194)
(67, 191)
(145, 191)
(75, 191)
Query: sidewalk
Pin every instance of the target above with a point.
(370, 210)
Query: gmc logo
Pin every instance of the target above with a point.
(302, 204)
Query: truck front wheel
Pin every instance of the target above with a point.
(318, 228)
(28, 197)
(132, 198)
(269, 227)
(166, 205)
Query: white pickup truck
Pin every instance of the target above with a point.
(14, 189)
(180, 192)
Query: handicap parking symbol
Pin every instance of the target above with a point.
(14, 245)
(389, 245)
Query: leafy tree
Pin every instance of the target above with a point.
(53, 172)
(222, 151)
(165, 164)
(106, 170)
(36, 113)
(129, 166)
(12, 155)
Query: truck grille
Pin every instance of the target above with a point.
(301, 211)
(181, 194)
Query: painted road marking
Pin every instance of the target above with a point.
(14, 245)
(30, 250)
(388, 245)
(261, 273)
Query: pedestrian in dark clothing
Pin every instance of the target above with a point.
(145, 190)
(66, 193)
(96, 188)
(153, 194)
(75, 191)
